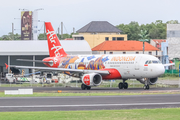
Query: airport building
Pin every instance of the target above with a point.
(161, 44)
(173, 38)
(35, 50)
(126, 47)
(97, 32)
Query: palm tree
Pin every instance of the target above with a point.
(144, 35)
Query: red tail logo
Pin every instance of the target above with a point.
(55, 48)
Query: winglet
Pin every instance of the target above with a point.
(6, 66)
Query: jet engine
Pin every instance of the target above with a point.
(152, 81)
(92, 79)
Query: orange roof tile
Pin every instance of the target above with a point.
(159, 40)
(124, 46)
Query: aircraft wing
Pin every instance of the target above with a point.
(102, 72)
(26, 60)
(168, 64)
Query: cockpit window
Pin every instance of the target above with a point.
(153, 62)
(159, 61)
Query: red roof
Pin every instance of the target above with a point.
(159, 40)
(124, 46)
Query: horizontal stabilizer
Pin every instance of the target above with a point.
(40, 61)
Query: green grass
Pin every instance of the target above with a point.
(168, 78)
(32, 85)
(43, 94)
(136, 114)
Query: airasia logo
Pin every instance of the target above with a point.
(52, 38)
(86, 80)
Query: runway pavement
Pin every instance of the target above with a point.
(89, 102)
(93, 89)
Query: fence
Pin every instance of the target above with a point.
(132, 83)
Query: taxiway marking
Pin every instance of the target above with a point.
(91, 105)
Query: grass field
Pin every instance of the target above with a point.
(38, 94)
(137, 114)
(132, 84)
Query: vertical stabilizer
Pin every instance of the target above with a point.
(55, 48)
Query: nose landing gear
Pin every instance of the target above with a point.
(146, 84)
(146, 87)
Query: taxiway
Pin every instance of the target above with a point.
(89, 102)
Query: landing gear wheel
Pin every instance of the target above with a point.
(88, 87)
(83, 87)
(125, 85)
(120, 85)
(146, 87)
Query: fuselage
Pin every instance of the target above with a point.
(128, 65)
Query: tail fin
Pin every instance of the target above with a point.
(55, 48)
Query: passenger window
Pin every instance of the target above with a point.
(146, 62)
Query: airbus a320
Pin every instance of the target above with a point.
(93, 69)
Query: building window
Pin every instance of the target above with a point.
(104, 52)
(150, 53)
(110, 52)
(137, 52)
(113, 38)
(94, 33)
(78, 38)
(107, 38)
(124, 52)
(120, 38)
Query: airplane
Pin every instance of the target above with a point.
(92, 69)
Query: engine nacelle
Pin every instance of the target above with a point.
(152, 81)
(92, 79)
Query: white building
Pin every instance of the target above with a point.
(126, 47)
(35, 50)
(173, 38)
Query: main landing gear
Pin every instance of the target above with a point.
(123, 85)
(83, 87)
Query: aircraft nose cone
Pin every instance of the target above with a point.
(161, 70)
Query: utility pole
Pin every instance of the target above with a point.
(61, 30)
(44, 30)
(12, 31)
(73, 30)
(58, 32)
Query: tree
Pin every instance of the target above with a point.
(10, 36)
(172, 22)
(42, 36)
(132, 30)
(155, 30)
(143, 34)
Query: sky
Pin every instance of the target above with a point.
(78, 13)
